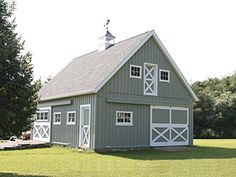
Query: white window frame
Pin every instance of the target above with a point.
(163, 70)
(54, 118)
(40, 120)
(155, 92)
(124, 123)
(67, 118)
(130, 71)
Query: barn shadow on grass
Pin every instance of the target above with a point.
(17, 175)
(196, 152)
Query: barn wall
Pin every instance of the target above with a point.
(126, 94)
(70, 133)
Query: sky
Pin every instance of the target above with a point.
(200, 35)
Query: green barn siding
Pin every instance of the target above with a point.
(70, 133)
(191, 125)
(122, 84)
(124, 93)
(109, 135)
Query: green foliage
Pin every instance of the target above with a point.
(18, 92)
(215, 112)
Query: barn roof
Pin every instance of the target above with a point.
(88, 73)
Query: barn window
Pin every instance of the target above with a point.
(56, 118)
(124, 118)
(42, 116)
(164, 75)
(71, 118)
(135, 71)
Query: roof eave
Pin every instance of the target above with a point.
(68, 95)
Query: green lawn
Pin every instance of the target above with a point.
(209, 158)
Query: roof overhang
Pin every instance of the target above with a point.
(68, 95)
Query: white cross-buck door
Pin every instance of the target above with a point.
(85, 112)
(41, 129)
(150, 79)
(169, 126)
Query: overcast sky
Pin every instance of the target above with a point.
(200, 35)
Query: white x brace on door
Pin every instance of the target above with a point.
(150, 79)
(41, 129)
(169, 126)
(85, 125)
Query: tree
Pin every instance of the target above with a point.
(215, 112)
(18, 91)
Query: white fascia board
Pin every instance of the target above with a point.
(172, 62)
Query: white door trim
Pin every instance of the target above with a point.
(81, 126)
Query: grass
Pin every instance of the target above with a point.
(209, 158)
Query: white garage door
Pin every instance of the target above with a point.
(169, 126)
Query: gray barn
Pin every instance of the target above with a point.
(126, 94)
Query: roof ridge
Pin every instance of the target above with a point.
(132, 37)
(114, 44)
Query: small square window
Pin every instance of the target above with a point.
(124, 118)
(165, 75)
(56, 118)
(135, 71)
(71, 118)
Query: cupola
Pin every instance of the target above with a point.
(107, 40)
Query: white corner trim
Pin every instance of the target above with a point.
(130, 71)
(161, 80)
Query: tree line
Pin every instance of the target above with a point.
(215, 112)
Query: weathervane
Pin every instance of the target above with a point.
(107, 23)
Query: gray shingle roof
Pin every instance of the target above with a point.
(84, 74)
